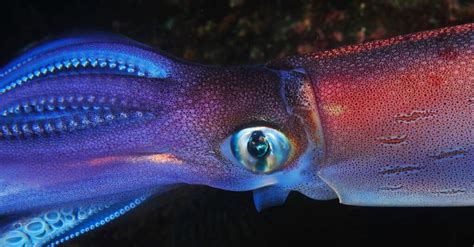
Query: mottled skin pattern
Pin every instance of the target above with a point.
(101, 119)
(397, 117)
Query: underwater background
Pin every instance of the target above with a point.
(231, 32)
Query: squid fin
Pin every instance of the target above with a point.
(269, 197)
(55, 226)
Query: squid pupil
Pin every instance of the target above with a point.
(258, 145)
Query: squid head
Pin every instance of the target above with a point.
(245, 128)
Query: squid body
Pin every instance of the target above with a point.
(92, 125)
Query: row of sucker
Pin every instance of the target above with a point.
(57, 115)
(16, 66)
(65, 103)
(66, 124)
(57, 226)
(99, 221)
(76, 64)
(41, 228)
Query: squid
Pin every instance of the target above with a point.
(92, 125)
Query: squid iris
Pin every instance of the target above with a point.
(260, 149)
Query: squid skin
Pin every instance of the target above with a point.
(397, 117)
(100, 120)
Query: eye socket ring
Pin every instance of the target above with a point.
(260, 149)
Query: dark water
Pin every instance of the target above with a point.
(239, 32)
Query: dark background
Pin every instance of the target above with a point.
(241, 32)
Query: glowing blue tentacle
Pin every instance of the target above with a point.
(37, 49)
(104, 56)
(55, 227)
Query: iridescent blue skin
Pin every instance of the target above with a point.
(102, 120)
(170, 97)
(92, 125)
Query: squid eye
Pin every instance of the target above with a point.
(260, 149)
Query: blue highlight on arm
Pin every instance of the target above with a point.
(96, 53)
(54, 227)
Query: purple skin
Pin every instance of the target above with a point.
(103, 119)
(101, 132)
